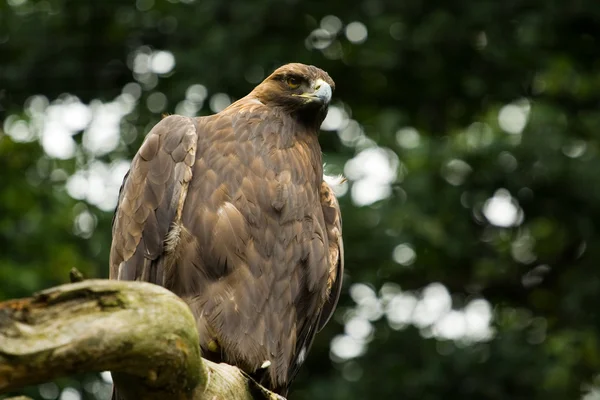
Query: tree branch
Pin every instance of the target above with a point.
(142, 332)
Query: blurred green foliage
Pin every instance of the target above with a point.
(474, 125)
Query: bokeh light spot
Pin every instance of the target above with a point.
(156, 102)
(219, 102)
(512, 118)
(503, 210)
(356, 32)
(162, 62)
(404, 254)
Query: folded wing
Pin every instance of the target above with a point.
(151, 200)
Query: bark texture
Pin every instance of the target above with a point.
(142, 332)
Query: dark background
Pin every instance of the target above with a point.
(468, 131)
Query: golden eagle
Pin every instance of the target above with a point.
(231, 213)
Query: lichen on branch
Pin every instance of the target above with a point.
(141, 332)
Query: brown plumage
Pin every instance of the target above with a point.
(231, 213)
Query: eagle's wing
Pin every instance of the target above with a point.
(333, 224)
(151, 199)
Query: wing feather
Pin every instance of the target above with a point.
(151, 198)
(308, 330)
(333, 222)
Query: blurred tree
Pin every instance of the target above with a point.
(466, 130)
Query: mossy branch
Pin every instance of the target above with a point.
(142, 332)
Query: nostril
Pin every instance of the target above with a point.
(317, 86)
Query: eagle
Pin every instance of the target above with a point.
(231, 213)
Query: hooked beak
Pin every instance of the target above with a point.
(322, 93)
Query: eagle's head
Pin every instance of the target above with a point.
(302, 90)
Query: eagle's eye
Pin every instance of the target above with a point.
(293, 82)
